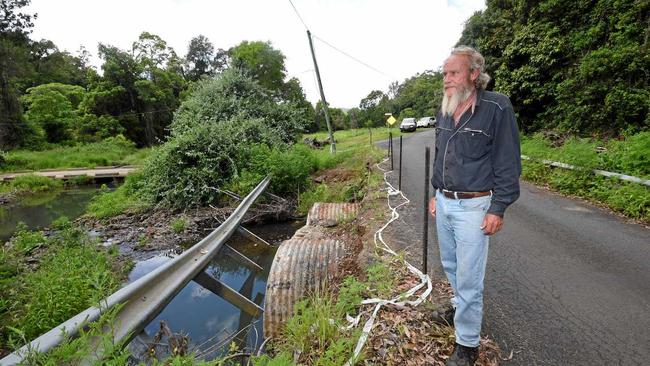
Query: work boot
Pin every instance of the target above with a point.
(462, 356)
(444, 316)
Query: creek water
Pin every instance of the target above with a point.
(211, 323)
(39, 210)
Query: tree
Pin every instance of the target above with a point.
(199, 60)
(579, 67)
(52, 109)
(14, 29)
(260, 60)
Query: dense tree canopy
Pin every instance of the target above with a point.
(580, 67)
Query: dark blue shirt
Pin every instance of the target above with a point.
(481, 153)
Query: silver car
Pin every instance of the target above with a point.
(427, 122)
(408, 124)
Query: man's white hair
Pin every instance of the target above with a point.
(476, 62)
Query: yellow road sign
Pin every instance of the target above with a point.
(391, 120)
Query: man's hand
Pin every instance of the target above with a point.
(432, 206)
(491, 223)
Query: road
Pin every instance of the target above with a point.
(567, 283)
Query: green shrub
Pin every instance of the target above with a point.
(217, 135)
(233, 96)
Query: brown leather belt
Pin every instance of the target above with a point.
(463, 195)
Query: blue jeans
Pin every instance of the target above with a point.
(463, 251)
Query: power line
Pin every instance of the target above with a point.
(355, 59)
(298, 14)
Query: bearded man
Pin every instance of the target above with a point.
(476, 177)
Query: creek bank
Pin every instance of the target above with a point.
(141, 236)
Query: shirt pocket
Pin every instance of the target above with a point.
(474, 144)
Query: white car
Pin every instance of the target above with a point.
(427, 122)
(408, 124)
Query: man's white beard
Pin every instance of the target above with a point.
(450, 103)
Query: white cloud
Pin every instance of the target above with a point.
(398, 38)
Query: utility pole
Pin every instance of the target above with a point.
(322, 97)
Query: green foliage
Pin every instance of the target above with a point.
(233, 97)
(381, 278)
(50, 108)
(25, 241)
(179, 225)
(73, 351)
(91, 128)
(34, 183)
(568, 66)
(350, 295)
(215, 137)
(72, 274)
(314, 332)
(111, 151)
(631, 156)
(626, 157)
(261, 61)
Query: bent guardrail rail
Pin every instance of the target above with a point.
(144, 298)
(629, 178)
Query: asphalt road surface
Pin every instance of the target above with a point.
(567, 283)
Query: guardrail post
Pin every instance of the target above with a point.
(425, 221)
(399, 185)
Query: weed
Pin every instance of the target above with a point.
(349, 295)
(179, 225)
(381, 278)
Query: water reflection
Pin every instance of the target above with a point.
(39, 210)
(211, 322)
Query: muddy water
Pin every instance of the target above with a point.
(211, 323)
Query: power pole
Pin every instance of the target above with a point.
(322, 97)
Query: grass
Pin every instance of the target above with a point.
(124, 199)
(112, 151)
(631, 157)
(31, 183)
(355, 155)
(46, 280)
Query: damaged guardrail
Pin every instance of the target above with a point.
(142, 300)
(628, 178)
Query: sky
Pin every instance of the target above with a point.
(394, 39)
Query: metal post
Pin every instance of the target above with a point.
(399, 185)
(425, 221)
(390, 136)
